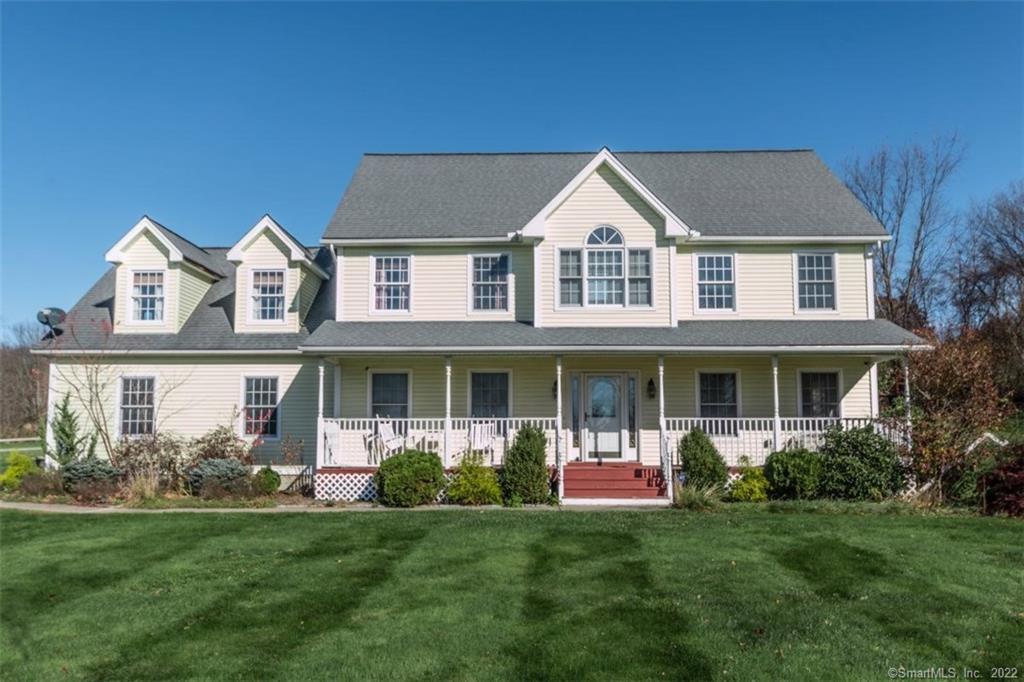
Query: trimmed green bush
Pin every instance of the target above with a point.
(859, 464)
(751, 487)
(267, 481)
(222, 473)
(409, 479)
(793, 474)
(90, 471)
(19, 466)
(525, 477)
(701, 462)
(474, 483)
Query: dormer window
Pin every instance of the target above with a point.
(148, 296)
(268, 295)
(615, 275)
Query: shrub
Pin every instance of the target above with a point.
(700, 460)
(751, 487)
(474, 483)
(42, 484)
(68, 441)
(215, 474)
(267, 481)
(793, 474)
(144, 484)
(525, 475)
(19, 465)
(221, 443)
(706, 497)
(859, 464)
(1003, 488)
(161, 455)
(238, 488)
(409, 479)
(90, 472)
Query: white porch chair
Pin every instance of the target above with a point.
(481, 437)
(387, 440)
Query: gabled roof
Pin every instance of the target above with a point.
(296, 251)
(179, 249)
(87, 328)
(764, 194)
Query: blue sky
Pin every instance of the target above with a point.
(205, 116)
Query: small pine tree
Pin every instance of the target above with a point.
(525, 475)
(67, 441)
(701, 461)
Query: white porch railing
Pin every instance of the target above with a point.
(356, 442)
(754, 438)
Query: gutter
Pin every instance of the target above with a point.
(110, 352)
(716, 350)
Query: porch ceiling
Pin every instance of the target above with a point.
(691, 336)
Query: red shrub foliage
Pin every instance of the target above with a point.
(1003, 488)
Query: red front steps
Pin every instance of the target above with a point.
(613, 481)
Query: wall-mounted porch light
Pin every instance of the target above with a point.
(652, 390)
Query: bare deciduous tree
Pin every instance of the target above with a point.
(24, 379)
(904, 189)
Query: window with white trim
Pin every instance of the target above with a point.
(138, 406)
(489, 394)
(389, 394)
(490, 283)
(148, 296)
(268, 299)
(614, 275)
(718, 394)
(391, 283)
(716, 283)
(816, 281)
(261, 407)
(819, 394)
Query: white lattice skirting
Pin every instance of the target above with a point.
(345, 487)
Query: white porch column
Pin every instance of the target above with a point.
(320, 445)
(665, 456)
(559, 455)
(906, 398)
(776, 420)
(447, 408)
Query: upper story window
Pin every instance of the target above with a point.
(268, 295)
(148, 296)
(490, 283)
(138, 406)
(716, 282)
(614, 275)
(816, 281)
(391, 283)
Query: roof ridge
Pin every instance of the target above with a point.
(176, 234)
(624, 151)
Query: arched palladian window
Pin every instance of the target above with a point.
(604, 272)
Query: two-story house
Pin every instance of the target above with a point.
(617, 301)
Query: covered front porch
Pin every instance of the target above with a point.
(628, 409)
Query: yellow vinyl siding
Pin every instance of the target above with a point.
(440, 282)
(309, 285)
(765, 281)
(145, 253)
(194, 286)
(266, 252)
(195, 394)
(604, 198)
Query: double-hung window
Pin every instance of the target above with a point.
(261, 410)
(819, 394)
(489, 394)
(816, 281)
(389, 395)
(605, 273)
(268, 295)
(490, 283)
(716, 282)
(391, 283)
(148, 296)
(138, 406)
(718, 396)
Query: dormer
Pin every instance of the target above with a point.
(161, 277)
(276, 279)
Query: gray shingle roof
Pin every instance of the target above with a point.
(88, 324)
(719, 194)
(191, 252)
(731, 335)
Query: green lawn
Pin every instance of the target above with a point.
(745, 593)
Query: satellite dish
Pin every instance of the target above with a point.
(51, 317)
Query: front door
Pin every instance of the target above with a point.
(603, 423)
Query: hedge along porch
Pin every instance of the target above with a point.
(612, 409)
